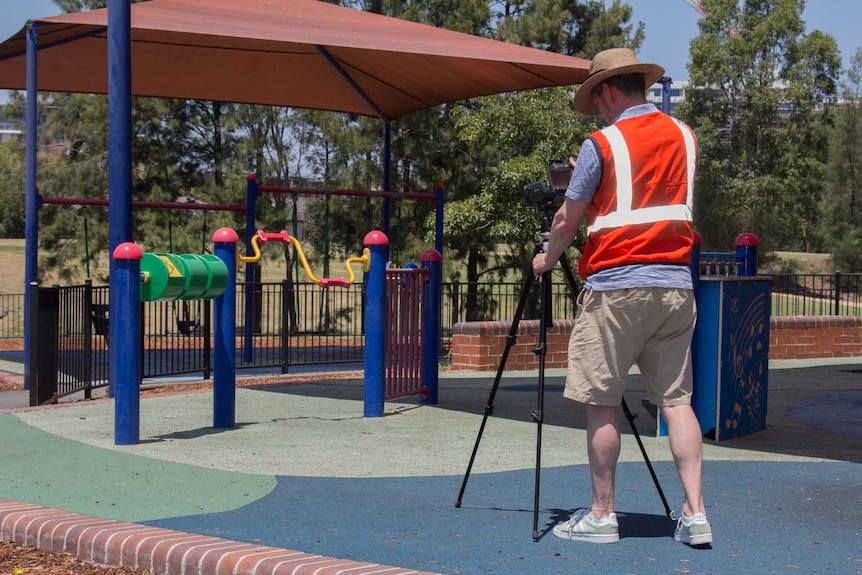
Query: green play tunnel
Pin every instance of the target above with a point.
(169, 277)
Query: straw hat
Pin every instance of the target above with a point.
(607, 64)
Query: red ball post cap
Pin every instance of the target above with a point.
(430, 255)
(698, 239)
(746, 240)
(127, 251)
(376, 238)
(251, 178)
(225, 236)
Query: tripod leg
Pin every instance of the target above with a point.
(489, 407)
(538, 415)
(631, 417)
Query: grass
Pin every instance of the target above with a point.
(806, 263)
(12, 265)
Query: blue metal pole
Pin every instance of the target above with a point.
(252, 191)
(375, 314)
(224, 342)
(431, 325)
(119, 167)
(438, 245)
(31, 202)
(127, 385)
(387, 176)
(665, 94)
(438, 220)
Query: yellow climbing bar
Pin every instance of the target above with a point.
(283, 237)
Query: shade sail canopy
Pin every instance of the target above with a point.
(293, 53)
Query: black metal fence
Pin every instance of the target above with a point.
(12, 312)
(817, 294)
(301, 324)
(324, 326)
(465, 301)
(71, 326)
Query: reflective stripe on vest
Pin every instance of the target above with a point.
(626, 214)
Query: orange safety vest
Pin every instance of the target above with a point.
(641, 213)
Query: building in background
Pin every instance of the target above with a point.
(677, 94)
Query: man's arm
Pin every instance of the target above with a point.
(564, 229)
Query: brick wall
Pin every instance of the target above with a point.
(479, 346)
(804, 337)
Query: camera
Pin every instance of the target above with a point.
(542, 195)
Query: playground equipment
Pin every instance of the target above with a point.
(286, 239)
(283, 237)
(170, 277)
(253, 191)
(731, 340)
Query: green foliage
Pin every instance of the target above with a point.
(11, 190)
(847, 252)
(841, 202)
(759, 85)
(524, 131)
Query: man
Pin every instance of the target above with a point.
(635, 180)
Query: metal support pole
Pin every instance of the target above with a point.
(665, 82)
(126, 326)
(432, 261)
(375, 315)
(252, 191)
(387, 177)
(224, 342)
(31, 201)
(119, 171)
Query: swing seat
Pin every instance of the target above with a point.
(99, 320)
(188, 327)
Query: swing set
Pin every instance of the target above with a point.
(185, 322)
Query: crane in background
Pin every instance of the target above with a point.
(696, 4)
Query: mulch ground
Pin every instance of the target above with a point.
(18, 560)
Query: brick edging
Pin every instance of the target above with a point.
(813, 321)
(160, 551)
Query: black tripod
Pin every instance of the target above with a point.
(540, 350)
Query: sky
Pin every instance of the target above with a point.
(670, 26)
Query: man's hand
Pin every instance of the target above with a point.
(541, 264)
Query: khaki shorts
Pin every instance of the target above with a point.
(650, 327)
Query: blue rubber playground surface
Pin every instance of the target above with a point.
(303, 470)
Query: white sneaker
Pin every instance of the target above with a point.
(582, 526)
(693, 530)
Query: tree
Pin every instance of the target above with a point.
(11, 190)
(759, 88)
(842, 221)
(511, 137)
